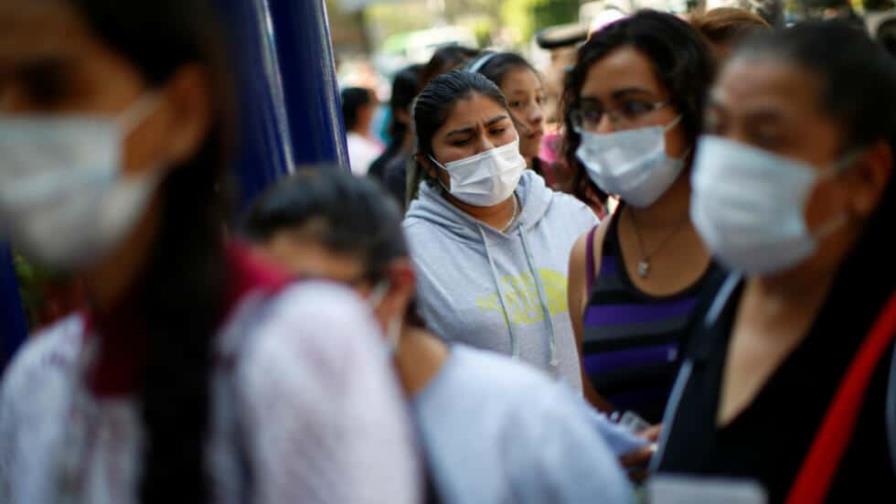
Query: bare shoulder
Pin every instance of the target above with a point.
(578, 257)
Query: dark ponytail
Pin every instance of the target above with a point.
(182, 290)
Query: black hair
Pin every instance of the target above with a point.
(349, 215)
(886, 35)
(437, 100)
(444, 60)
(353, 100)
(857, 88)
(345, 214)
(496, 66)
(681, 62)
(181, 291)
(405, 87)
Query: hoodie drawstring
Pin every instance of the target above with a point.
(514, 343)
(543, 300)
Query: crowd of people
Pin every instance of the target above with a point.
(691, 301)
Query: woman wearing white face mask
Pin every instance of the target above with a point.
(787, 383)
(188, 377)
(634, 108)
(489, 240)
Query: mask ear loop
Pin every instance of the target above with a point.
(839, 167)
(440, 165)
(675, 122)
(138, 111)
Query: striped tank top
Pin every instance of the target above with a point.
(632, 340)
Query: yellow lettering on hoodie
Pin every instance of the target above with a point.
(521, 297)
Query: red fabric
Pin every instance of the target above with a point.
(817, 473)
(250, 272)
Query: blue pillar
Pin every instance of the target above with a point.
(12, 317)
(290, 114)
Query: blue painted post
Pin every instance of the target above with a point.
(290, 113)
(12, 317)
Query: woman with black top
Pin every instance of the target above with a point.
(635, 101)
(794, 190)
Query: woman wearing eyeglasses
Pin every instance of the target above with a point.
(634, 104)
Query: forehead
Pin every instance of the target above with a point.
(622, 68)
(751, 83)
(38, 28)
(520, 79)
(471, 110)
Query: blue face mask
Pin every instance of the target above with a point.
(748, 205)
(632, 164)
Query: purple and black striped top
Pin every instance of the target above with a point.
(632, 340)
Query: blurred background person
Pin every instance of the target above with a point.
(391, 167)
(772, 11)
(492, 430)
(189, 376)
(635, 108)
(358, 108)
(523, 89)
(726, 27)
(794, 191)
(562, 42)
(444, 60)
(490, 241)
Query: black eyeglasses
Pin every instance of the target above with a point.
(629, 113)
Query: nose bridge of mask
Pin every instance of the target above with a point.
(490, 153)
(483, 165)
(615, 151)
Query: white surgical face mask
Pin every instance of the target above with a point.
(748, 206)
(631, 163)
(63, 198)
(393, 326)
(487, 178)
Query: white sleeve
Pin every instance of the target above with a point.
(559, 457)
(324, 417)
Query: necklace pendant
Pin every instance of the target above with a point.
(643, 268)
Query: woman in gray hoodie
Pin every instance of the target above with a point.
(489, 240)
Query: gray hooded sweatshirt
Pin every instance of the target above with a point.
(501, 291)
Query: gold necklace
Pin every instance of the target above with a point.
(644, 264)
